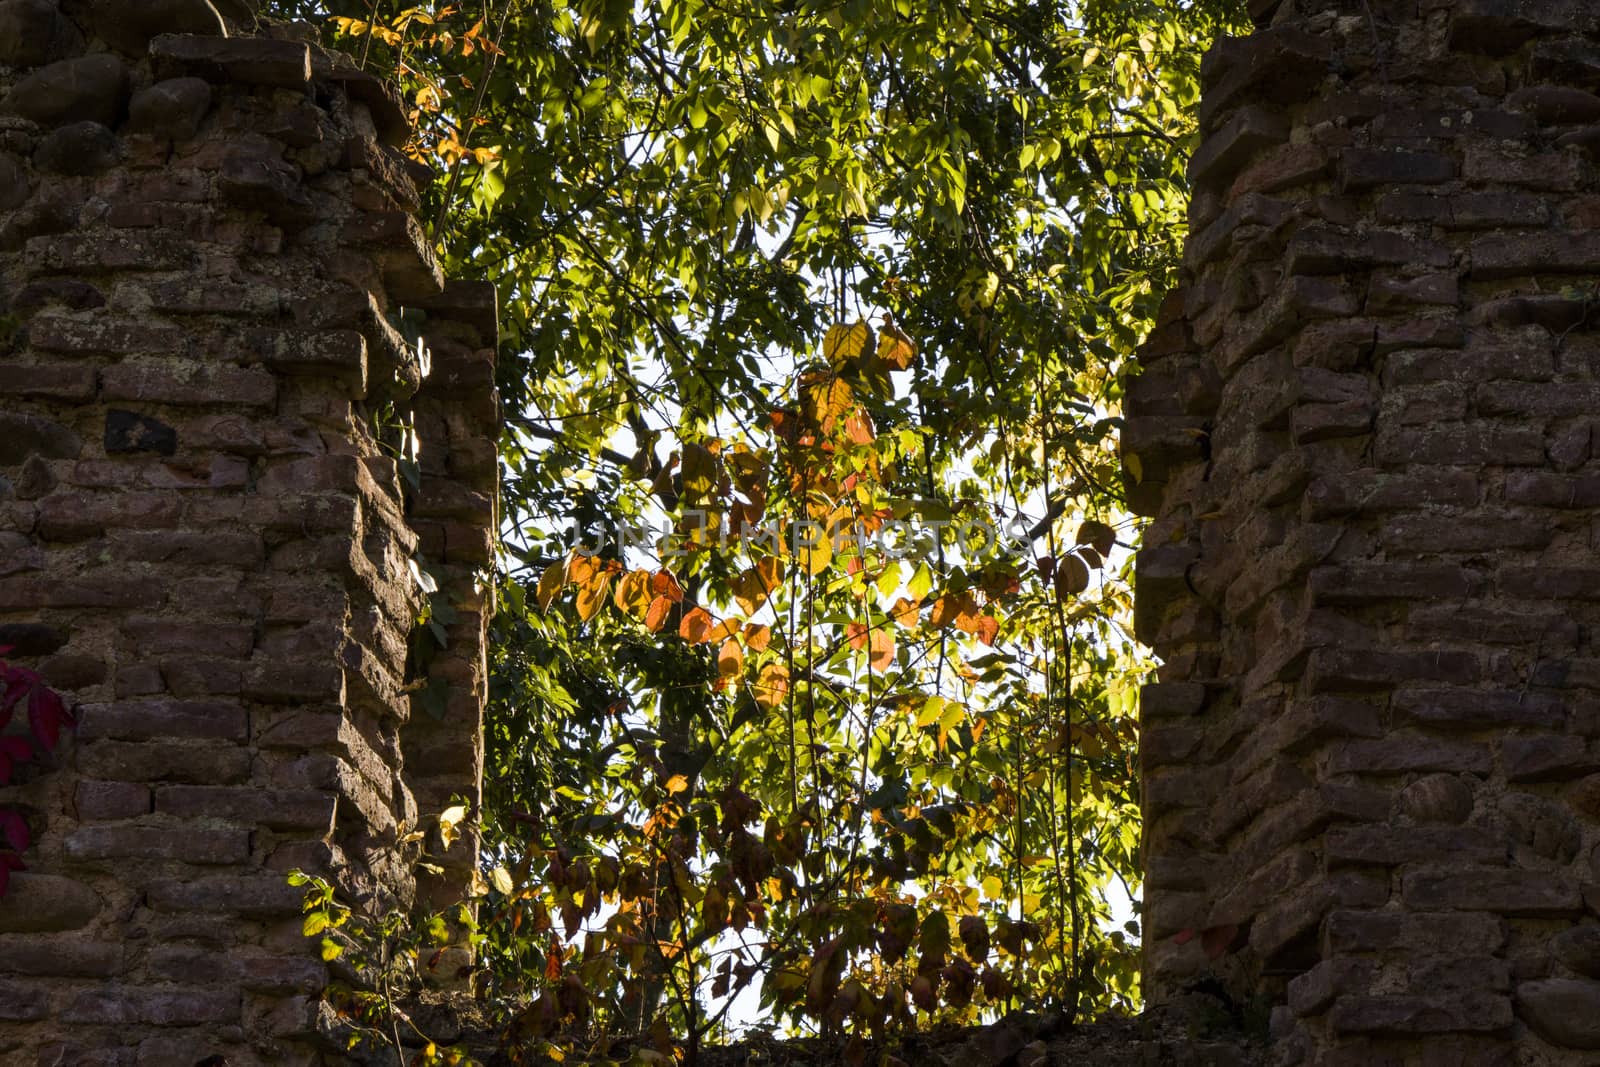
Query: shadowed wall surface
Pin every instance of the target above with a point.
(1365, 437)
(220, 322)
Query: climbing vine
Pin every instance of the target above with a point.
(21, 688)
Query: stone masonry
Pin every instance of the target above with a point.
(221, 328)
(1366, 436)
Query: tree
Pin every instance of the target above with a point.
(839, 267)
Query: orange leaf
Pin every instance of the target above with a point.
(662, 583)
(730, 659)
(758, 637)
(905, 612)
(656, 617)
(582, 569)
(988, 629)
(772, 685)
(859, 429)
(895, 349)
(592, 595)
(882, 650)
(696, 626)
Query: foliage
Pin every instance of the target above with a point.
(771, 271)
(382, 955)
(47, 716)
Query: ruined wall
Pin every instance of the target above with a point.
(211, 284)
(1367, 442)
(1366, 437)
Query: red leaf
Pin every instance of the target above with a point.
(46, 714)
(1183, 937)
(15, 830)
(16, 687)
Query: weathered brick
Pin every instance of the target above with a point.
(128, 720)
(74, 517)
(1400, 753)
(51, 381)
(155, 1007)
(165, 762)
(1421, 1014)
(59, 956)
(111, 800)
(1392, 846)
(187, 844)
(279, 809)
(1471, 709)
(1491, 889)
(1479, 531)
(153, 636)
(1359, 583)
(264, 896)
(1361, 168)
(43, 903)
(1469, 444)
(188, 384)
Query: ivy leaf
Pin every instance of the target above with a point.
(15, 830)
(47, 713)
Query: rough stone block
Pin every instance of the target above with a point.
(1503, 892)
(253, 61)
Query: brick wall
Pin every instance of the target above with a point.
(212, 278)
(1365, 436)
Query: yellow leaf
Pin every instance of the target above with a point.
(730, 659)
(500, 878)
(633, 593)
(550, 583)
(845, 344)
(699, 472)
(677, 784)
(816, 556)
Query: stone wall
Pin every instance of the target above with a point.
(212, 285)
(1366, 438)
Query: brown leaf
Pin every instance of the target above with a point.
(975, 937)
(1072, 576)
(1098, 535)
